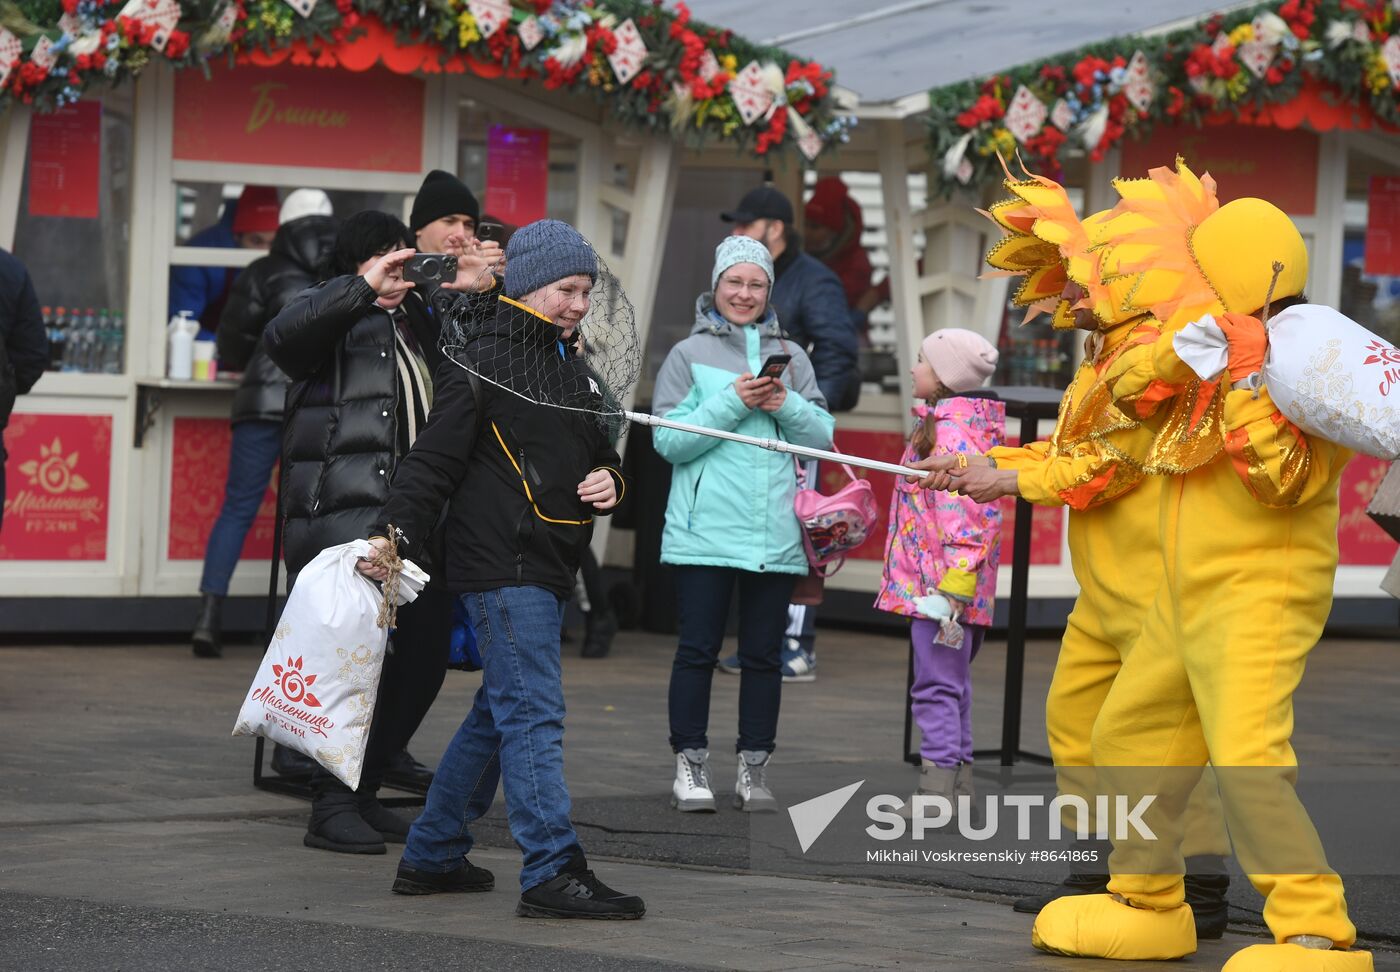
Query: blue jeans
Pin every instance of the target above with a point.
(514, 734)
(702, 599)
(251, 458)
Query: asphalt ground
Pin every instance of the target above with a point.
(131, 837)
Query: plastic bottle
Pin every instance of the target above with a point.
(116, 341)
(183, 329)
(58, 349)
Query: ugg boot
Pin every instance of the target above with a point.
(336, 825)
(934, 781)
(391, 828)
(208, 638)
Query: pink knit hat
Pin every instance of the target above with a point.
(961, 360)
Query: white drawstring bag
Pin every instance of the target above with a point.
(1327, 374)
(315, 689)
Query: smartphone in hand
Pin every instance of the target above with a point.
(773, 367)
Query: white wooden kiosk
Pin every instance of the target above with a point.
(117, 544)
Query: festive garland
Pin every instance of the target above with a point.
(651, 65)
(1090, 100)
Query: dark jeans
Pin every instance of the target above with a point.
(251, 457)
(702, 598)
(413, 674)
(513, 735)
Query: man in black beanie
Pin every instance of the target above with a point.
(445, 214)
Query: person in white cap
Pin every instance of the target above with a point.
(296, 260)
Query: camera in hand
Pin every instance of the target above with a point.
(430, 270)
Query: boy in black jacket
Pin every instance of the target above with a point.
(525, 480)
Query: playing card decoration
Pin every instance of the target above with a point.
(1062, 115)
(627, 58)
(490, 15)
(531, 33)
(10, 51)
(70, 24)
(164, 14)
(228, 17)
(751, 95)
(303, 7)
(1138, 87)
(1390, 53)
(1026, 115)
(1257, 56)
(43, 54)
(709, 65)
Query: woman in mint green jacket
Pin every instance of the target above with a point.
(729, 518)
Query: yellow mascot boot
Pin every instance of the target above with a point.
(1105, 926)
(1317, 955)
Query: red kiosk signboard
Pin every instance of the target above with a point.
(57, 484)
(367, 120)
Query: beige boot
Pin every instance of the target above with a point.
(933, 781)
(965, 786)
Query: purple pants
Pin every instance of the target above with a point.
(942, 695)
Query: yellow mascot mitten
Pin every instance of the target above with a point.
(1103, 926)
(1296, 958)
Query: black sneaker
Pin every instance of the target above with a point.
(576, 893)
(1205, 893)
(404, 770)
(289, 762)
(1072, 885)
(468, 877)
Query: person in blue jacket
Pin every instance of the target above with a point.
(202, 292)
(729, 517)
(810, 301)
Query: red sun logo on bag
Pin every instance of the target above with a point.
(1388, 357)
(294, 685)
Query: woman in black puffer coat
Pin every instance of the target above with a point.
(361, 367)
(298, 259)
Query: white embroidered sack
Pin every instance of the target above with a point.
(1326, 373)
(1335, 379)
(315, 689)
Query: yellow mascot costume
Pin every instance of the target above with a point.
(1094, 463)
(1248, 528)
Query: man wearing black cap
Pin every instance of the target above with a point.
(811, 306)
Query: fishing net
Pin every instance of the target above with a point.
(566, 345)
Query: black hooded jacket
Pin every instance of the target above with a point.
(298, 257)
(339, 448)
(510, 467)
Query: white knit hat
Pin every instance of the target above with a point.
(304, 202)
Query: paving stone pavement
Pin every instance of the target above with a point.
(131, 838)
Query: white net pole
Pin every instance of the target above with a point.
(778, 445)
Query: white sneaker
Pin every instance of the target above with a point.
(751, 792)
(691, 792)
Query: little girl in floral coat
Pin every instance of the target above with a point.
(942, 552)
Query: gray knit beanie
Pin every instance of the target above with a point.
(543, 252)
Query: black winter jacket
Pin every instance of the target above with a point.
(338, 452)
(24, 345)
(510, 467)
(299, 254)
(812, 310)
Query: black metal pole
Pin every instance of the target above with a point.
(1016, 626)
